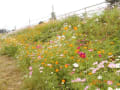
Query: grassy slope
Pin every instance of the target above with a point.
(101, 34)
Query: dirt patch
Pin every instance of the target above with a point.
(10, 76)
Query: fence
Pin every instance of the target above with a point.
(90, 10)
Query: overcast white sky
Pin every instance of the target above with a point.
(17, 12)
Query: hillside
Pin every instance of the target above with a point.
(73, 53)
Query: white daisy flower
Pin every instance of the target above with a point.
(75, 65)
(99, 77)
(117, 65)
(109, 88)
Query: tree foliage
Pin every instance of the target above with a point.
(112, 1)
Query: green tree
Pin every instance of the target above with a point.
(112, 2)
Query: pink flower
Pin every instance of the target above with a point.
(73, 69)
(51, 41)
(95, 63)
(98, 89)
(73, 72)
(73, 81)
(112, 65)
(90, 50)
(79, 80)
(86, 87)
(81, 44)
(109, 82)
(100, 66)
(38, 46)
(30, 68)
(83, 80)
(100, 55)
(82, 55)
(78, 47)
(41, 67)
(30, 73)
(94, 71)
(39, 57)
(104, 62)
(41, 71)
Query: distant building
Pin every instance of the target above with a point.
(3, 31)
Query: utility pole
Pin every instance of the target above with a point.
(29, 22)
(15, 28)
(53, 16)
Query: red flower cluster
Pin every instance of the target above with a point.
(82, 54)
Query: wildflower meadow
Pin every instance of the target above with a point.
(69, 54)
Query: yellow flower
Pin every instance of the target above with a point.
(110, 53)
(103, 51)
(35, 61)
(78, 60)
(112, 43)
(85, 47)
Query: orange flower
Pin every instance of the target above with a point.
(50, 66)
(70, 45)
(42, 63)
(56, 62)
(45, 59)
(57, 70)
(33, 47)
(63, 33)
(72, 57)
(66, 65)
(99, 52)
(90, 73)
(65, 28)
(75, 28)
(63, 81)
(118, 84)
(77, 51)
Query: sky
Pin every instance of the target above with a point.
(19, 13)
